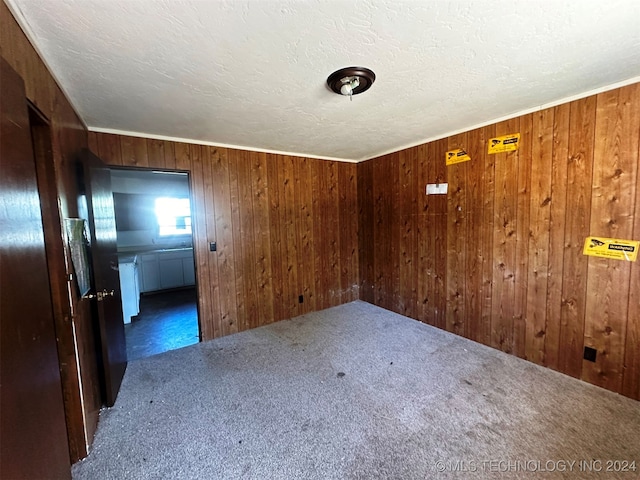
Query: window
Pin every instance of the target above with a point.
(173, 215)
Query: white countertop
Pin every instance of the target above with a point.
(140, 250)
(126, 258)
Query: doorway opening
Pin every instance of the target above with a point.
(156, 260)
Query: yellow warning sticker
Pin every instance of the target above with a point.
(506, 143)
(611, 248)
(457, 156)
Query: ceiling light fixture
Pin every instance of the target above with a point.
(351, 81)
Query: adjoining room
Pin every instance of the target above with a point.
(156, 262)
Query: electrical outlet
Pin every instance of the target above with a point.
(212, 246)
(300, 298)
(590, 354)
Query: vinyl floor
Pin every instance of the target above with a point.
(167, 321)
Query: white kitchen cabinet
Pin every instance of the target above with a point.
(189, 270)
(166, 269)
(150, 272)
(171, 271)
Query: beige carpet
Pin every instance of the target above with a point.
(356, 392)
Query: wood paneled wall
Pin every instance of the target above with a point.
(499, 259)
(58, 189)
(284, 227)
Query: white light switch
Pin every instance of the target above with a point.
(437, 188)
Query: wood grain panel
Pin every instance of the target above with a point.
(437, 151)
(557, 219)
(155, 149)
(456, 240)
(424, 173)
(183, 156)
(207, 156)
(263, 279)
(504, 242)
(276, 217)
(393, 193)
(110, 149)
(206, 284)
(475, 183)
(329, 216)
(631, 370)
(238, 279)
(170, 156)
(574, 285)
(92, 142)
(406, 228)
(615, 171)
(348, 203)
(306, 238)
(335, 274)
(290, 238)
(134, 151)
(321, 261)
(486, 236)
(382, 281)
(224, 241)
(522, 235)
(539, 231)
(247, 236)
(365, 231)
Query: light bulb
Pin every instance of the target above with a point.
(346, 89)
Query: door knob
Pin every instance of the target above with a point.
(101, 295)
(105, 293)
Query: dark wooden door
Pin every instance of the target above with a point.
(106, 279)
(33, 430)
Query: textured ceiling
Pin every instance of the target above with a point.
(252, 73)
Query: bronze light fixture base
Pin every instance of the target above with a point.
(351, 80)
